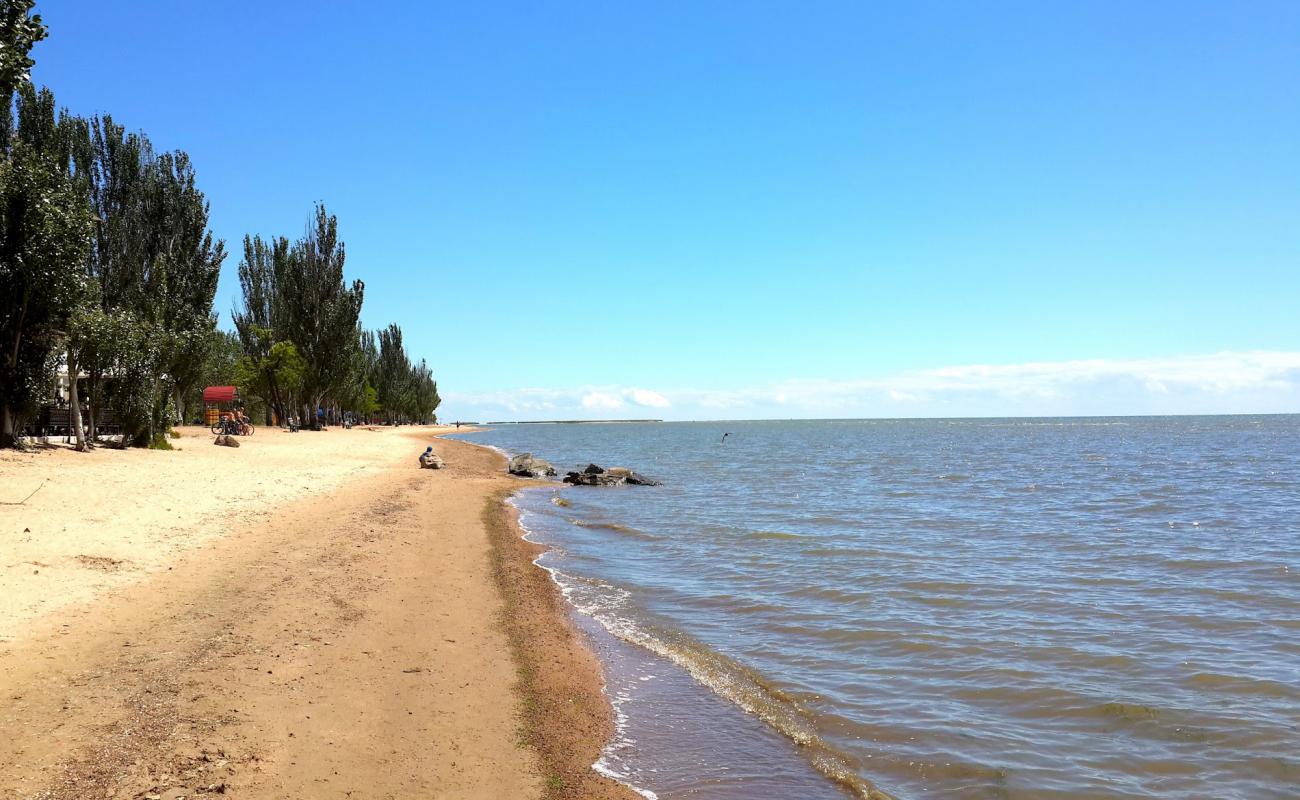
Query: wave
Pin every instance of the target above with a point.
(1241, 684)
(626, 530)
(611, 607)
(778, 535)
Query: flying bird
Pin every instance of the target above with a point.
(724, 437)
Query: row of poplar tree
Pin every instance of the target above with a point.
(299, 347)
(108, 268)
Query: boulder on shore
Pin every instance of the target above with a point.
(226, 441)
(431, 461)
(526, 466)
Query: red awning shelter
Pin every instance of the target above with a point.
(220, 394)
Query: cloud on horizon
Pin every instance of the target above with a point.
(1217, 383)
(623, 398)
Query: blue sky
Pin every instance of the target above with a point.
(694, 210)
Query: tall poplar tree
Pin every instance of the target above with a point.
(155, 264)
(44, 228)
(320, 312)
(396, 392)
(260, 325)
(426, 397)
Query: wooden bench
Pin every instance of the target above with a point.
(57, 421)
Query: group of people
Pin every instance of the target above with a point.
(237, 421)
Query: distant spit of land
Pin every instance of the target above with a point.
(565, 422)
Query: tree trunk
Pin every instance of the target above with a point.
(158, 416)
(74, 402)
(92, 389)
(8, 437)
(179, 399)
(279, 402)
(8, 420)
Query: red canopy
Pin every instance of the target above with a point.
(220, 394)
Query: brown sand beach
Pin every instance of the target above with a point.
(309, 615)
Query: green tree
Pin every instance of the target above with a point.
(106, 259)
(155, 264)
(320, 312)
(426, 393)
(221, 359)
(19, 30)
(131, 350)
(367, 369)
(393, 376)
(296, 293)
(266, 379)
(217, 368)
(183, 273)
(260, 322)
(44, 236)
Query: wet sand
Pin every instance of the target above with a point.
(350, 626)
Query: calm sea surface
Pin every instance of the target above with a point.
(1055, 608)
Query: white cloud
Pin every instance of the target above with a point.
(601, 400)
(648, 398)
(1226, 382)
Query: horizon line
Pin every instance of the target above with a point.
(886, 419)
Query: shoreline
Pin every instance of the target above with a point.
(740, 690)
(384, 632)
(568, 718)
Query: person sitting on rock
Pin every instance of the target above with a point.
(428, 459)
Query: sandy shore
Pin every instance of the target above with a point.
(309, 615)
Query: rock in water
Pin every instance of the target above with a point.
(593, 479)
(631, 476)
(614, 476)
(525, 466)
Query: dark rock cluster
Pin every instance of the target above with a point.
(595, 475)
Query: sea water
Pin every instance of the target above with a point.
(1019, 608)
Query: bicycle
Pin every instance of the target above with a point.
(228, 427)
